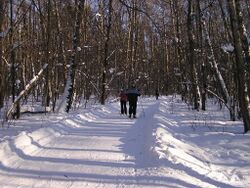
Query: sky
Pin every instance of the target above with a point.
(167, 145)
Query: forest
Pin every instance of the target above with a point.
(60, 53)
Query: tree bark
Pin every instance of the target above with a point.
(241, 72)
(13, 60)
(244, 40)
(226, 96)
(202, 67)
(47, 95)
(106, 50)
(2, 80)
(73, 63)
(193, 72)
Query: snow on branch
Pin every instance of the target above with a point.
(5, 60)
(227, 48)
(218, 97)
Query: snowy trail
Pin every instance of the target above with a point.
(87, 152)
(101, 148)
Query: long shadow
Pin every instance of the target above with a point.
(182, 120)
(139, 180)
(199, 176)
(92, 129)
(85, 130)
(51, 175)
(102, 131)
(179, 121)
(90, 132)
(26, 157)
(129, 136)
(38, 145)
(137, 139)
(134, 144)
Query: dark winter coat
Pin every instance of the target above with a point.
(133, 94)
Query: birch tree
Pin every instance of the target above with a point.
(13, 60)
(70, 85)
(227, 99)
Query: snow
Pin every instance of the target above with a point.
(98, 15)
(111, 70)
(227, 48)
(79, 48)
(168, 145)
(119, 73)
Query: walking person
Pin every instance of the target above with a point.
(156, 94)
(132, 94)
(123, 102)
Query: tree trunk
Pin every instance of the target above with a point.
(73, 63)
(202, 67)
(244, 40)
(225, 23)
(226, 96)
(2, 80)
(191, 61)
(12, 59)
(47, 95)
(106, 49)
(241, 72)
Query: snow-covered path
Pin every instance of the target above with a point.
(95, 148)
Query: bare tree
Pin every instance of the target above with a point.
(106, 50)
(109, 44)
(2, 80)
(73, 64)
(191, 61)
(240, 69)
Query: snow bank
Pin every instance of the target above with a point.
(204, 146)
(168, 145)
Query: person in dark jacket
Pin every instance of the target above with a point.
(132, 94)
(156, 94)
(123, 102)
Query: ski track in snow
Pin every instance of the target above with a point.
(98, 147)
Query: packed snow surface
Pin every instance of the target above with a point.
(167, 145)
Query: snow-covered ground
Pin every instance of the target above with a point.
(168, 145)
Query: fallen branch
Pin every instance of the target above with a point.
(27, 88)
(218, 97)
